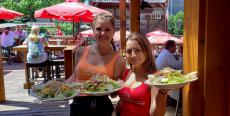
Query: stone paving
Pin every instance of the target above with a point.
(19, 103)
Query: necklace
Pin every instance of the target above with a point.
(97, 51)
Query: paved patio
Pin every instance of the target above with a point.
(19, 103)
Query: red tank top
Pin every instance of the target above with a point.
(136, 101)
(84, 70)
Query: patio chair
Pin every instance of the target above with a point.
(56, 64)
(57, 68)
(7, 54)
(31, 78)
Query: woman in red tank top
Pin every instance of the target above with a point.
(137, 98)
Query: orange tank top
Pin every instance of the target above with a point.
(84, 70)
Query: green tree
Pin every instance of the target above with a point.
(179, 23)
(171, 24)
(176, 23)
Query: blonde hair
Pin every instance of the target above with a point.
(106, 17)
(33, 36)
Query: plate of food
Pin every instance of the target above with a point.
(100, 85)
(55, 90)
(171, 79)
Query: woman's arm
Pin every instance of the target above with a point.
(78, 55)
(44, 41)
(158, 105)
(26, 41)
(154, 92)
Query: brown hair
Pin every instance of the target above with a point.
(149, 63)
(106, 17)
(169, 44)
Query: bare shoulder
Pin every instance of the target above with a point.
(120, 61)
(78, 53)
(119, 67)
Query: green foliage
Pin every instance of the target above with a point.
(171, 24)
(66, 28)
(176, 23)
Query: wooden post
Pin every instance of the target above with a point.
(73, 32)
(68, 63)
(166, 15)
(2, 88)
(69, 53)
(206, 49)
(135, 15)
(216, 60)
(122, 9)
(192, 95)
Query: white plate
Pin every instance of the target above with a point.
(101, 93)
(34, 94)
(155, 82)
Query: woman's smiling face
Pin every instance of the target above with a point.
(103, 31)
(134, 54)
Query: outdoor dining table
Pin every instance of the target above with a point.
(69, 51)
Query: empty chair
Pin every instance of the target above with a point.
(31, 69)
(57, 68)
(7, 54)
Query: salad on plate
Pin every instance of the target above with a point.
(171, 79)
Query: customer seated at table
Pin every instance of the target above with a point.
(22, 34)
(7, 38)
(36, 43)
(167, 58)
(101, 58)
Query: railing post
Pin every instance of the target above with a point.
(2, 88)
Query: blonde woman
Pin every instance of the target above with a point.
(36, 43)
(102, 58)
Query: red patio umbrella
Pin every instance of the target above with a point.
(69, 11)
(116, 36)
(160, 37)
(71, 0)
(9, 14)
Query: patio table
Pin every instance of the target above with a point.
(69, 51)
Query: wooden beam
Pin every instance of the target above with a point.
(217, 59)
(2, 88)
(193, 93)
(69, 53)
(206, 49)
(122, 9)
(135, 15)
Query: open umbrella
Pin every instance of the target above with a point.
(116, 36)
(160, 37)
(69, 11)
(9, 14)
